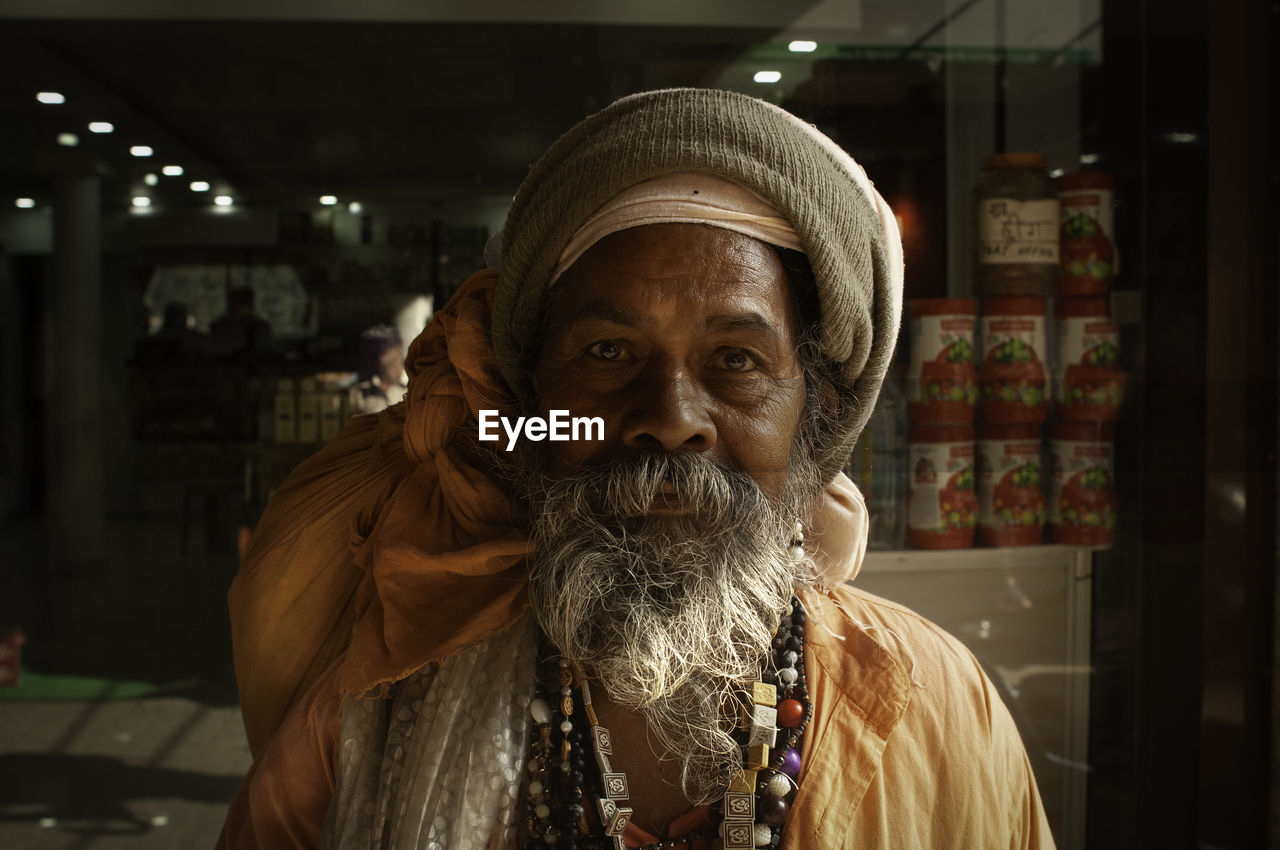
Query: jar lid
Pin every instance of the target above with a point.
(930, 432)
(1009, 431)
(942, 307)
(1014, 160)
(1091, 432)
(1013, 305)
(1089, 305)
(1086, 180)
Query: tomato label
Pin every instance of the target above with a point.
(1011, 509)
(1088, 254)
(1082, 502)
(1012, 231)
(942, 506)
(942, 381)
(1088, 384)
(1013, 371)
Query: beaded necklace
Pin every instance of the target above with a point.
(775, 711)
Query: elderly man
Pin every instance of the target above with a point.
(642, 637)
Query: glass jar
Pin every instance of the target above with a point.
(1016, 222)
(1087, 242)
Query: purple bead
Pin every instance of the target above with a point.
(791, 763)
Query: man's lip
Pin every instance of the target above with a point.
(668, 504)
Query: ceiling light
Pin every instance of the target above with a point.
(150, 179)
(141, 150)
(223, 200)
(199, 185)
(1180, 138)
(1088, 158)
(50, 97)
(68, 140)
(101, 127)
(802, 46)
(1056, 173)
(172, 171)
(141, 201)
(354, 207)
(768, 76)
(24, 203)
(328, 200)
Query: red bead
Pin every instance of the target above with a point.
(790, 713)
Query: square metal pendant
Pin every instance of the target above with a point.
(618, 823)
(739, 807)
(603, 740)
(739, 836)
(756, 757)
(615, 786)
(762, 693)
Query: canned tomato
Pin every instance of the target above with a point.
(942, 508)
(942, 381)
(1082, 501)
(1013, 360)
(1088, 384)
(1011, 508)
(1085, 239)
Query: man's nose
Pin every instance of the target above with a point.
(668, 410)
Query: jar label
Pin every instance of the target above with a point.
(1017, 232)
(941, 497)
(1087, 372)
(1013, 370)
(1008, 477)
(942, 370)
(1088, 250)
(1080, 491)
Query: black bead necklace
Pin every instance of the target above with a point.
(564, 784)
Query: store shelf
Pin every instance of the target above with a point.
(1051, 556)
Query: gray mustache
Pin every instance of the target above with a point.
(629, 485)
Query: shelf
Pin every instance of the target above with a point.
(1052, 556)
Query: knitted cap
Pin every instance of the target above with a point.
(846, 230)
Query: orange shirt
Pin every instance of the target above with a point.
(910, 746)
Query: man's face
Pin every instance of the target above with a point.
(681, 337)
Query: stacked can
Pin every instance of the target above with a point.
(1011, 510)
(1088, 254)
(1088, 385)
(1013, 377)
(942, 396)
(942, 508)
(1082, 501)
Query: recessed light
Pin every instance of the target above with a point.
(50, 97)
(141, 150)
(172, 171)
(24, 203)
(101, 127)
(1056, 173)
(1088, 158)
(768, 76)
(328, 200)
(150, 179)
(802, 46)
(223, 200)
(141, 201)
(354, 207)
(1181, 138)
(68, 140)
(199, 185)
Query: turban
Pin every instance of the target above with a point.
(845, 229)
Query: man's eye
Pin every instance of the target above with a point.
(607, 350)
(737, 361)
